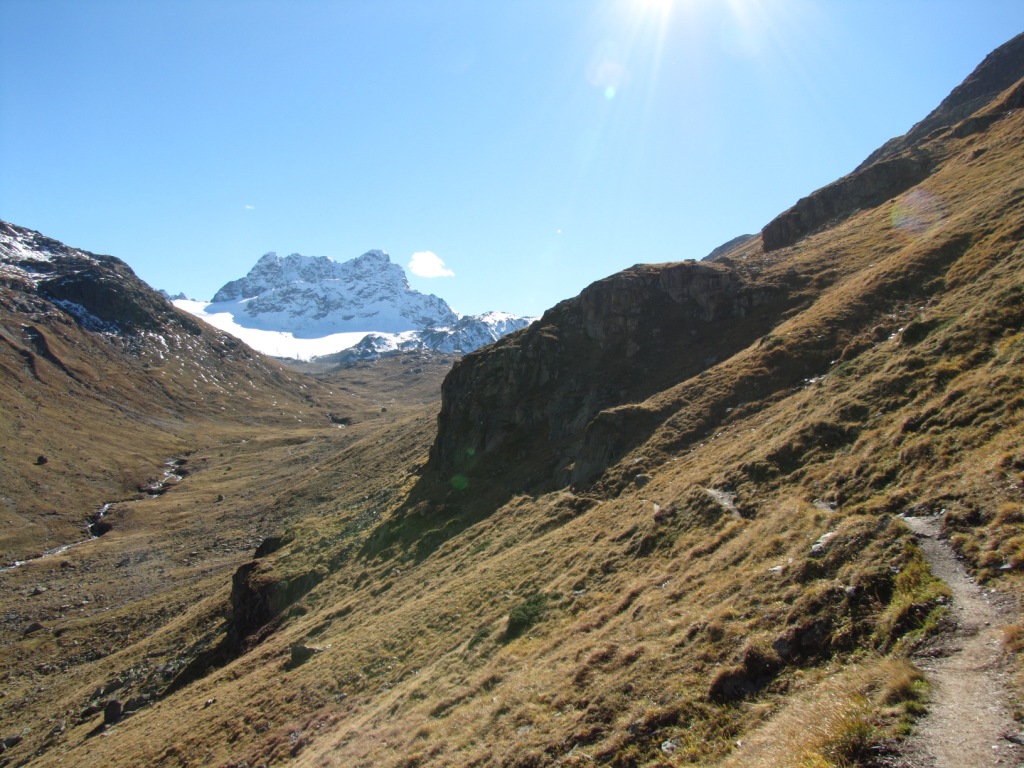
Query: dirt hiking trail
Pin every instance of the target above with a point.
(969, 722)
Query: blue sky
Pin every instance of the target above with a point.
(533, 147)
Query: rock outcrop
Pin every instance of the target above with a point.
(865, 188)
(527, 400)
(259, 595)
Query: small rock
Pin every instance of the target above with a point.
(670, 745)
(35, 626)
(40, 460)
(135, 703)
(661, 514)
(38, 590)
(11, 741)
(782, 646)
(108, 688)
(821, 545)
(642, 480)
(113, 712)
(303, 653)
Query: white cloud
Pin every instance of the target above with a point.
(428, 264)
(250, 207)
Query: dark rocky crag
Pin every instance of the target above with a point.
(530, 397)
(864, 188)
(99, 291)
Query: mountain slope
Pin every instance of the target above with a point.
(658, 527)
(103, 380)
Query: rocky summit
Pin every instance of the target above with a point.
(316, 295)
(765, 509)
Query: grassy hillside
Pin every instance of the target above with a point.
(701, 564)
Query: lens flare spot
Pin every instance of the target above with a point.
(460, 482)
(917, 214)
(607, 72)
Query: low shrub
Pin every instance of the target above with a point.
(526, 614)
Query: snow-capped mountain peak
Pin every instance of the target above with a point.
(304, 306)
(315, 295)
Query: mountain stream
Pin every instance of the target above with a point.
(97, 526)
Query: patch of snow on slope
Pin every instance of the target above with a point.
(18, 244)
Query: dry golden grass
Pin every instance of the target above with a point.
(838, 721)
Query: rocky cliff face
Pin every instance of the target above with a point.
(865, 188)
(529, 398)
(565, 399)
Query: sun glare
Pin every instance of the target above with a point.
(658, 9)
(654, 5)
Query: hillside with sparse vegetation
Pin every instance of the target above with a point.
(662, 526)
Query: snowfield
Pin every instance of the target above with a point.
(276, 343)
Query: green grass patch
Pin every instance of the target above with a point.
(918, 601)
(526, 614)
